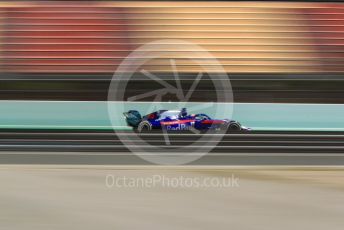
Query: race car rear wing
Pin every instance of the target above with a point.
(133, 118)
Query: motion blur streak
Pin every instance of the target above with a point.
(105, 148)
(86, 37)
(77, 198)
(55, 156)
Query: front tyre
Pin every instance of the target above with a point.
(234, 126)
(144, 126)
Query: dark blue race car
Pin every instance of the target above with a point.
(177, 120)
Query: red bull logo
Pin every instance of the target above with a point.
(178, 127)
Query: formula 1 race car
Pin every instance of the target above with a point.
(178, 120)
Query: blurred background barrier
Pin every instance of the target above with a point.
(94, 115)
(247, 37)
(273, 51)
(279, 52)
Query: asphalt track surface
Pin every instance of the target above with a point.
(76, 197)
(105, 148)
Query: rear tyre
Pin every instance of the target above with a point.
(144, 126)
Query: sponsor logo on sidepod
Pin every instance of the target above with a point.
(178, 127)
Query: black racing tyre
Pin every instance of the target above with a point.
(234, 126)
(144, 126)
